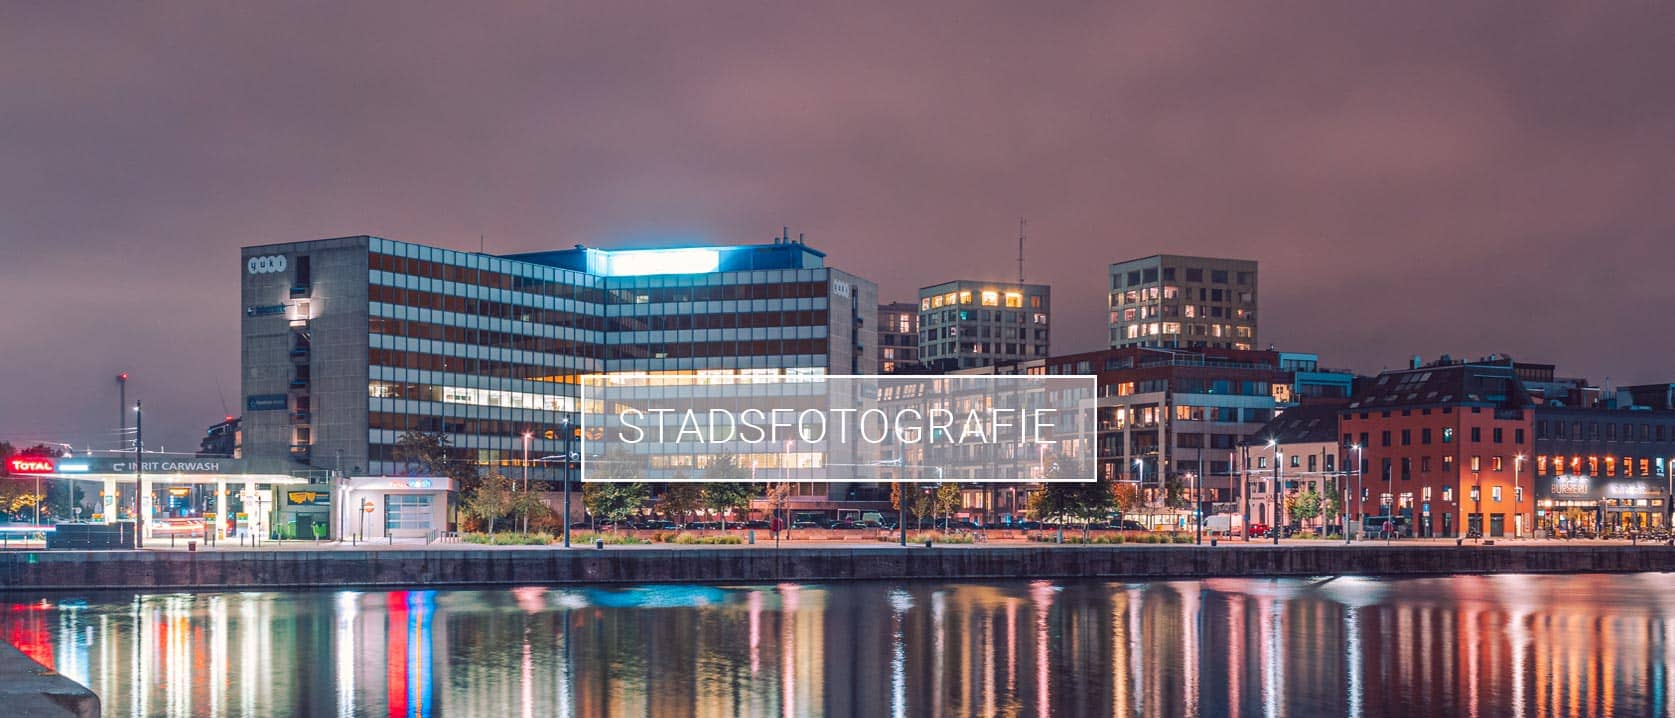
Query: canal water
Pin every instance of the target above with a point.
(1459, 646)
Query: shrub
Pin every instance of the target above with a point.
(612, 539)
(508, 539)
(687, 539)
(932, 536)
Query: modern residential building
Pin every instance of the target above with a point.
(1440, 443)
(1169, 416)
(1173, 301)
(965, 323)
(1312, 384)
(1600, 469)
(1304, 440)
(349, 343)
(898, 338)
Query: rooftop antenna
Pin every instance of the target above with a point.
(482, 244)
(1021, 250)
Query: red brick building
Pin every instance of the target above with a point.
(1448, 443)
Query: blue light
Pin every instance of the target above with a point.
(644, 262)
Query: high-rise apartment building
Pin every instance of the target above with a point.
(349, 343)
(965, 324)
(898, 337)
(1173, 301)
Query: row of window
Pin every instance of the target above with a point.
(483, 308)
(986, 298)
(1190, 274)
(1609, 466)
(483, 338)
(1498, 435)
(984, 315)
(1170, 294)
(486, 278)
(1592, 430)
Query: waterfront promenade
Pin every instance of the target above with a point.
(329, 565)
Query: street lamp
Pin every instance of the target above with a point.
(1274, 528)
(1197, 509)
(566, 424)
(526, 438)
(1517, 518)
(139, 472)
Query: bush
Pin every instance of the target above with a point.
(508, 539)
(932, 536)
(686, 539)
(610, 539)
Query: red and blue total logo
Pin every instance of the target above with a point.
(30, 465)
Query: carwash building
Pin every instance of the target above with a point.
(349, 343)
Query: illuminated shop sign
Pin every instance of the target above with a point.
(266, 265)
(30, 465)
(1570, 486)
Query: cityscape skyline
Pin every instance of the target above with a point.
(1406, 191)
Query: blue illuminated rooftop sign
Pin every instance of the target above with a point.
(679, 260)
(643, 262)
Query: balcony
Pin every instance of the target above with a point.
(300, 352)
(301, 417)
(300, 453)
(300, 382)
(300, 290)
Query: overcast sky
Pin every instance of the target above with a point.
(1415, 178)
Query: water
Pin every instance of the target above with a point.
(1466, 646)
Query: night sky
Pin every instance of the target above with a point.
(1415, 178)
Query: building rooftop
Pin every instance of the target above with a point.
(1299, 425)
(1495, 385)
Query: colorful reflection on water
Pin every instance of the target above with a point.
(1488, 646)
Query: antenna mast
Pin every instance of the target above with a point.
(1020, 250)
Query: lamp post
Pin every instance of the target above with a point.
(1274, 528)
(525, 508)
(566, 424)
(1197, 510)
(1517, 518)
(139, 472)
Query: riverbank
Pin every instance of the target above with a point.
(31, 690)
(34, 571)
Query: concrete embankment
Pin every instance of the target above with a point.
(31, 690)
(144, 570)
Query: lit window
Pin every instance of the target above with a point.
(991, 299)
(950, 298)
(924, 304)
(965, 296)
(1171, 327)
(936, 301)
(1014, 299)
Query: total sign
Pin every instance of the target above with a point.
(30, 465)
(269, 264)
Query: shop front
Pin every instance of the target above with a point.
(378, 507)
(1580, 505)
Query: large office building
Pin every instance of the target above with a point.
(349, 343)
(1173, 301)
(898, 338)
(965, 324)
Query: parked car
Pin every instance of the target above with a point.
(1258, 530)
(805, 524)
(1027, 525)
(1129, 525)
(658, 525)
(846, 525)
(757, 524)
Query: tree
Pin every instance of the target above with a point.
(1304, 506)
(725, 489)
(619, 493)
(614, 500)
(425, 451)
(948, 498)
(494, 497)
(1125, 497)
(682, 498)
